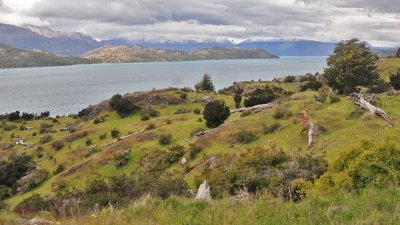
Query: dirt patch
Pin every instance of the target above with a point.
(6, 145)
(76, 136)
(74, 169)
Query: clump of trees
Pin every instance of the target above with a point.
(123, 107)
(352, 64)
(261, 96)
(398, 53)
(17, 115)
(205, 84)
(215, 113)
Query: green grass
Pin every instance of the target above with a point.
(368, 207)
(387, 66)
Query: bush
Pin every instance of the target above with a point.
(168, 121)
(289, 79)
(122, 105)
(145, 117)
(197, 111)
(46, 128)
(99, 120)
(151, 126)
(115, 133)
(183, 95)
(215, 113)
(58, 145)
(245, 137)
(194, 150)
(165, 139)
(205, 84)
(237, 98)
(260, 96)
(121, 158)
(395, 80)
(282, 113)
(150, 112)
(32, 204)
(380, 87)
(45, 139)
(88, 142)
(366, 166)
(60, 168)
(334, 99)
(102, 136)
(311, 85)
(269, 129)
(200, 120)
(16, 167)
(182, 110)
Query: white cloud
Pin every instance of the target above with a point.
(327, 20)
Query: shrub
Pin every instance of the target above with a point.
(260, 96)
(168, 121)
(46, 128)
(16, 167)
(237, 98)
(182, 110)
(183, 95)
(205, 84)
(121, 159)
(380, 87)
(58, 145)
(299, 188)
(102, 136)
(115, 133)
(269, 129)
(365, 166)
(88, 142)
(200, 120)
(32, 204)
(122, 105)
(323, 93)
(99, 120)
(45, 139)
(197, 111)
(215, 113)
(311, 85)
(151, 126)
(334, 99)
(60, 168)
(165, 139)
(395, 80)
(145, 117)
(245, 137)
(150, 112)
(289, 79)
(282, 113)
(194, 150)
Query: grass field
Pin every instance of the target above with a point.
(341, 133)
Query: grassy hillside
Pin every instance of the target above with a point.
(131, 54)
(87, 153)
(11, 57)
(387, 66)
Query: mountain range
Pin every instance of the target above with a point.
(77, 44)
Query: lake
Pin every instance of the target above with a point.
(65, 90)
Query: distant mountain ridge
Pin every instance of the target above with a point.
(43, 38)
(77, 44)
(131, 54)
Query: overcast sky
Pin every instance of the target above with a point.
(375, 21)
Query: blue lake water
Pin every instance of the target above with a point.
(65, 90)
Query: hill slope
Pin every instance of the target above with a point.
(129, 54)
(11, 57)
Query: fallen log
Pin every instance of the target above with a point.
(312, 133)
(363, 101)
(257, 108)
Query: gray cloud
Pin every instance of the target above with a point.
(4, 8)
(327, 20)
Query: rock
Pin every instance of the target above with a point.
(37, 221)
(183, 161)
(207, 99)
(204, 192)
(212, 162)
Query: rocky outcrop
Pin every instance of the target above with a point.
(204, 192)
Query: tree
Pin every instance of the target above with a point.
(205, 84)
(238, 99)
(352, 64)
(398, 53)
(215, 113)
(395, 80)
(122, 105)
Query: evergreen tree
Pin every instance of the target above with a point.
(205, 84)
